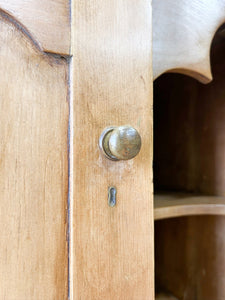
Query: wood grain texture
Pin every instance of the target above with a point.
(178, 205)
(190, 258)
(113, 247)
(189, 130)
(182, 35)
(47, 21)
(33, 169)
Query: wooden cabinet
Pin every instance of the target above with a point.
(67, 71)
(189, 150)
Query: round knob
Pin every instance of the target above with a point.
(120, 143)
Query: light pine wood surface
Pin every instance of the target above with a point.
(112, 248)
(33, 169)
(47, 21)
(182, 35)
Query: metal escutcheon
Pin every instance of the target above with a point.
(120, 143)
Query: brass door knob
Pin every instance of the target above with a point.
(120, 143)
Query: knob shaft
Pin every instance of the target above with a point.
(120, 143)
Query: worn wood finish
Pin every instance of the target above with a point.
(189, 140)
(33, 169)
(190, 258)
(47, 21)
(177, 205)
(112, 247)
(182, 35)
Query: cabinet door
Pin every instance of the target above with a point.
(33, 161)
(55, 102)
(112, 247)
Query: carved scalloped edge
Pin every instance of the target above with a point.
(182, 36)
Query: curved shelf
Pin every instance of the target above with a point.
(178, 205)
(164, 297)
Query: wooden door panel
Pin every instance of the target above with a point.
(47, 21)
(33, 168)
(112, 248)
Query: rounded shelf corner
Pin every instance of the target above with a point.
(173, 205)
